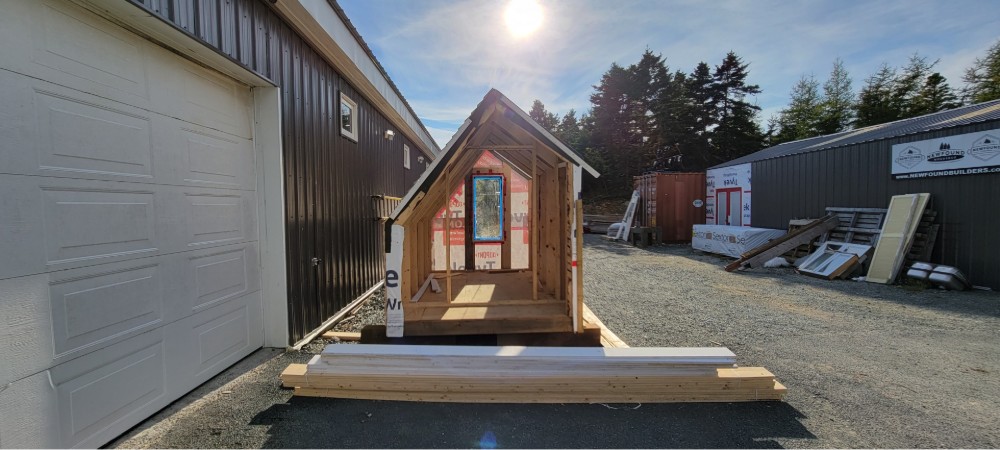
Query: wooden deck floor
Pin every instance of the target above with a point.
(486, 303)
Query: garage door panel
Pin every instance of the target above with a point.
(219, 217)
(222, 274)
(67, 45)
(207, 342)
(199, 96)
(88, 309)
(78, 136)
(71, 47)
(50, 130)
(81, 224)
(60, 316)
(215, 159)
(95, 392)
(63, 223)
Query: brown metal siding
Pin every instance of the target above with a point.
(329, 179)
(801, 186)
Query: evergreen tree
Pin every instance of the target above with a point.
(875, 102)
(801, 119)
(738, 132)
(546, 119)
(935, 95)
(702, 116)
(677, 143)
(907, 85)
(613, 132)
(838, 101)
(648, 80)
(983, 77)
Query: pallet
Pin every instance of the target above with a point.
(530, 375)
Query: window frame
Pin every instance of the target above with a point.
(475, 223)
(351, 134)
(406, 156)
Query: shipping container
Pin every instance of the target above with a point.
(671, 202)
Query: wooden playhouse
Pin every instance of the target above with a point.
(487, 241)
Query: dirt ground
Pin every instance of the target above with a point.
(866, 366)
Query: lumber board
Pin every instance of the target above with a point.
(777, 247)
(506, 397)
(423, 288)
(608, 337)
(578, 308)
(656, 354)
(346, 336)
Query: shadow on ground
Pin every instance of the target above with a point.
(331, 423)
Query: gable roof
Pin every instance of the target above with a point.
(480, 118)
(981, 112)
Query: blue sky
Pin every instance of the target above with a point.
(445, 55)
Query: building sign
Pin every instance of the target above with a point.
(728, 196)
(964, 154)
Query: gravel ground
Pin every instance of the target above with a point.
(866, 366)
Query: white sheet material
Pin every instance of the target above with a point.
(729, 240)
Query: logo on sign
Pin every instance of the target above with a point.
(698, 203)
(944, 153)
(909, 157)
(986, 147)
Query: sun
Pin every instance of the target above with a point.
(523, 17)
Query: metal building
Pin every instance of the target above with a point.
(183, 182)
(952, 155)
(949, 154)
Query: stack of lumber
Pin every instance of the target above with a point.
(530, 375)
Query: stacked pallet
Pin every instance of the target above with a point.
(530, 375)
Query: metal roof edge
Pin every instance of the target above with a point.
(943, 125)
(326, 29)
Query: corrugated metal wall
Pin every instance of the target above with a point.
(329, 180)
(801, 186)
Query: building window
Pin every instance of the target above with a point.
(487, 208)
(348, 117)
(406, 156)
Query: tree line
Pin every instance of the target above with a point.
(645, 117)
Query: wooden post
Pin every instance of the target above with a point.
(533, 200)
(447, 244)
(579, 266)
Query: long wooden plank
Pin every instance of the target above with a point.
(346, 336)
(777, 247)
(578, 312)
(658, 354)
(608, 337)
(506, 397)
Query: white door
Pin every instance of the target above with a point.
(128, 237)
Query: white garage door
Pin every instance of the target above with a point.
(128, 236)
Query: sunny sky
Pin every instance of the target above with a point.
(445, 55)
